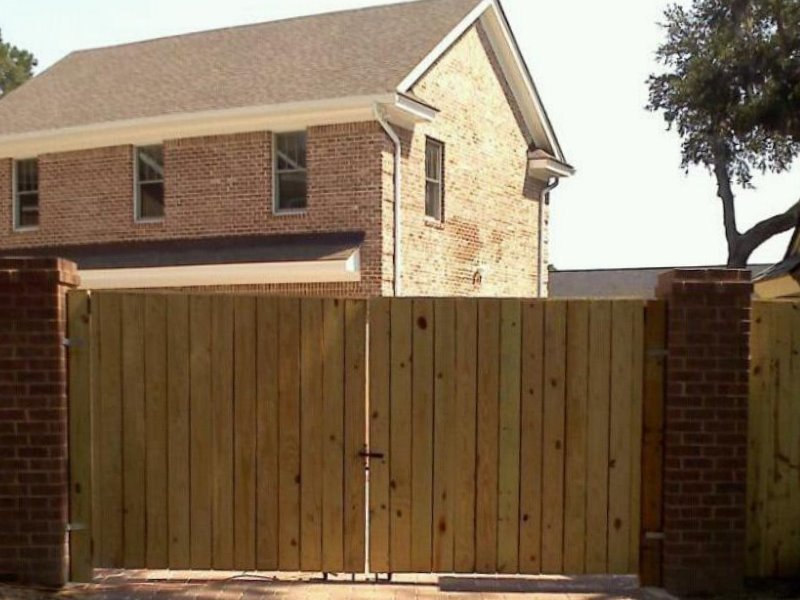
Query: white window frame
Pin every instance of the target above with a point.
(440, 182)
(16, 207)
(276, 210)
(137, 195)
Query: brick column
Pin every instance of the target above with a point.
(705, 429)
(33, 419)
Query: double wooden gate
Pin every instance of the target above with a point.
(232, 432)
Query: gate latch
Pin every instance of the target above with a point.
(73, 342)
(365, 454)
(76, 526)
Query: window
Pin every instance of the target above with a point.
(149, 183)
(291, 187)
(26, 194)
(434, 179)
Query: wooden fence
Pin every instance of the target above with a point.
(225, 433)
(509, 434)
(773, 481)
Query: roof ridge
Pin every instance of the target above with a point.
(370, 7)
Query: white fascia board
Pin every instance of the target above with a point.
(152, 130)
(321, 271)
(544, 168)
(519, 78)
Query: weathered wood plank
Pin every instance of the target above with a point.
(599, 380)
(355, 390)
(155, 365)
(488, 424)
(532, 377)
(311, 435)
(178, 417)
(333, 440)
(759, 369)
(636, 408)
(465, 435)
(245, 424)
(79, 325)
(509, 438)
(577, 408)
(422, 436)
(267, 433)
(134, 431)
(400, 418)
(553, 436)
(444, 419)
(380, 365)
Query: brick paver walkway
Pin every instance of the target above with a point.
(138, 585)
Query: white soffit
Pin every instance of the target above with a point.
(319, 271)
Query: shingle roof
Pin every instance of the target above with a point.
(351, 53)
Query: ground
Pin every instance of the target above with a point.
(133, 585)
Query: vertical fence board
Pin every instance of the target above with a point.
(311, 435)
(201, 427)
(637, 387)
(155, 341)
(134, 431)
(620, 454)
(532, 376)
(380, 366)
(465, 433)
(244, 483)
(509, 439)
(597, 437)
(267, 433)
(792, 404)
(179, 482)
(355, 432)
(333, 440)
(488, 423)
(553, 437)
(422, 435)
(289, 434)
(759, 367)
(576, 437)
(400, 418)
(80, 435)
(444, 448)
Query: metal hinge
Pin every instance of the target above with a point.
(76, 527)
(73, 342)
(654, 535)
(657, 352)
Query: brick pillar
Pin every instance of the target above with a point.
(705, 429)
(33, 419)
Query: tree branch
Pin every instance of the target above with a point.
(762, 231)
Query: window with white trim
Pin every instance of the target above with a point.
(26, 194)
(149, 183)
(434, 179)
(291, 174)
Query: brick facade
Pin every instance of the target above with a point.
(33, 419)
(705, 448)
(222, 185)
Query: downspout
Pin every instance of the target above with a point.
(381, 117)
(544, 199)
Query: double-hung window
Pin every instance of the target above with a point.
(149, 183)
(434, 179)
(291, 175)
(26, 194)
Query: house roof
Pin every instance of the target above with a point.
(336, 55)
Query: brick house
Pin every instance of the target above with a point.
(400, 149)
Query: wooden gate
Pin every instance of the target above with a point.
(773, 478)
(222, 432)
(508, 435)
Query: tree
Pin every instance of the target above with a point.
(731, 89)
(16, 66)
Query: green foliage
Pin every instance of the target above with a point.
(731, 84)
(16, 66)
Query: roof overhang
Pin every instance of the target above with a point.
(491, 15)
(293, 116)
(543, 167)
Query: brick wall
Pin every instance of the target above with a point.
(33, 419)
(705, 429)
(490, 206)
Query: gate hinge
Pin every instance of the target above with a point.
(73, 342)
(657, 352)
(76, 527)
(654, 535)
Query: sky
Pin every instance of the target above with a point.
(629, 205)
